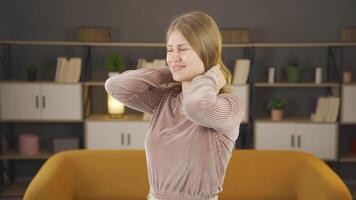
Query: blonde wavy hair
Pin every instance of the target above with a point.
(202, 33)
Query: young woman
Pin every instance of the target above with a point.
(195, 122)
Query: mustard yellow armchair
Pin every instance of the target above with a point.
(122, 175)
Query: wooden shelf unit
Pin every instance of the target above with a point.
(162, 44)
(348, 158)
(301, 119)
(18, 189)
(301, 85)
(14, 190)
(15, 155)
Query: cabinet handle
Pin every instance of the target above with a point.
(299, 140)
(292, 140)
(128, 138)
(122, 139)
(43, 102)
(37, 105)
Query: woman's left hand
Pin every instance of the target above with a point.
(217, 72)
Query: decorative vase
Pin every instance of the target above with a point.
(347, 76)
(112, 74)
(271, 74)
(276, 114)
(294, 74)
(28, 144)
(353, 146)
(318, 75)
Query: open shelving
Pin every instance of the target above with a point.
(19, 188)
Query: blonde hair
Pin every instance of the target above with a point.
(203, 34)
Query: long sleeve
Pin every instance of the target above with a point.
(203, 105)
(139, 89)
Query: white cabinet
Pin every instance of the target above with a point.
(41, 101)
(318, 139)
(273, 136)
(20, 101)
(242, 91)
(115, 135)
(348, 108)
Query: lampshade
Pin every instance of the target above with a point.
(115, 108)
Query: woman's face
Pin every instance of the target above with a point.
(182, 60)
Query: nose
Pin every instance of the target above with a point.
(174, 56)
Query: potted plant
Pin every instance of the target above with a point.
(294, 72)
(114, 64)
(31, 71)
(276, 105)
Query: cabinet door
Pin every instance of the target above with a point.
(318, 139)
(136, 132)
(61, 101)
(348, 109)
(275, 136)
(20, 101)
(242, 91)
(105, 135)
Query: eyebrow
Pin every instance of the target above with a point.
(179, 45)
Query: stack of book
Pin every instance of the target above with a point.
(156, 63)
(68, 70)
(241, 71)
(327, 109)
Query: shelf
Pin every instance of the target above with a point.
(14, 190)
(161, 44)
(77, 43)
(94, 83)
(39, 121)
(300, 119)
(303, 85)
(36, 82)
(107, 118)
(348, 158)
(14, 155)
(348, 123)
(308, 44)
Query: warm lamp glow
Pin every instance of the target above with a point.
(115, 108)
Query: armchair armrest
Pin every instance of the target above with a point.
(55, 180)
(317, 181)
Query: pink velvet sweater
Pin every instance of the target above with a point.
(191, 135)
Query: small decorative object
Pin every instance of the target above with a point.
(114, 63)
(276, 105)
(348, 34)
(147, 116)
(28, 144)
(318, 75)
(116, 109)
(156, 63)
(294, 72)
(235, 35)
(271, 74)
(32, 72)
(61, 144)
(347, 77)
(94, 34)
(353, 146)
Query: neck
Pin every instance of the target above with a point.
(185, 86)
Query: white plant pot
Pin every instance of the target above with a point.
(112, 74)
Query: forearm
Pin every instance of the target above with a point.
(139, 89)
